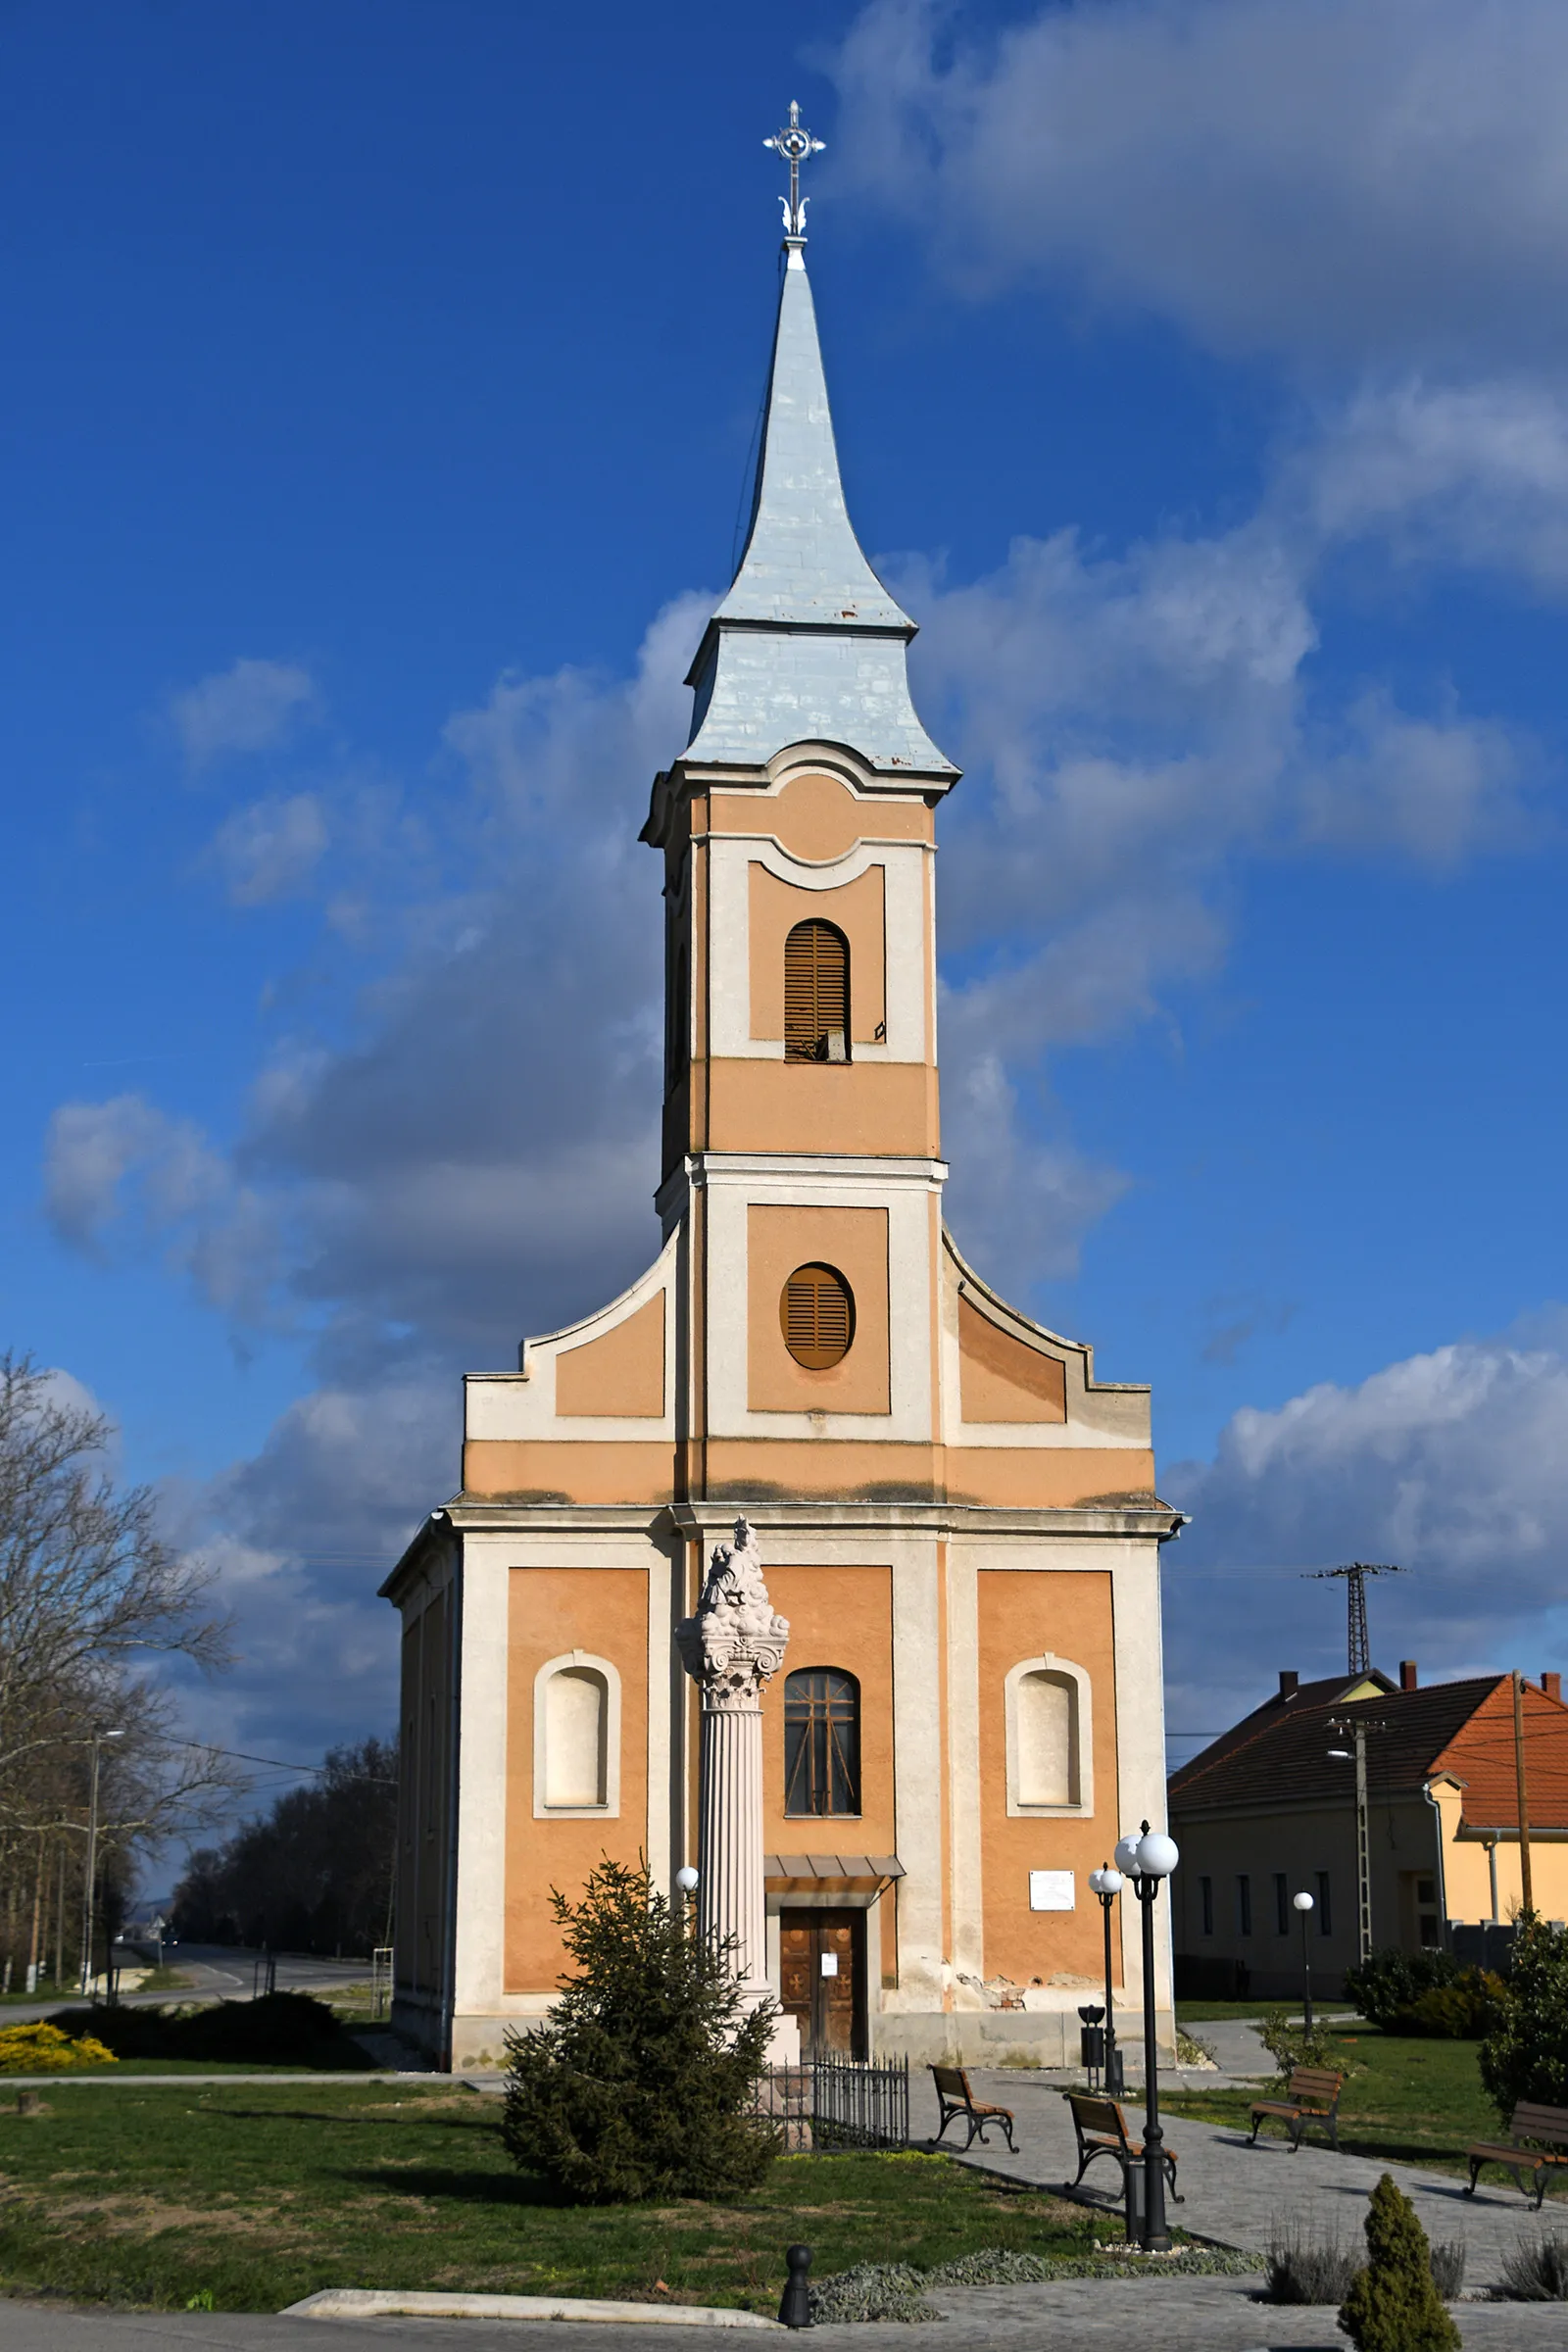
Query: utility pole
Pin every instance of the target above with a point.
(1527, 1893)
(1359, 1726)
(1356, 1576)
(91, 1881)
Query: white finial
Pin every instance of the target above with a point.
(793, 143)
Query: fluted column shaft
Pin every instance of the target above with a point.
(729, 1889)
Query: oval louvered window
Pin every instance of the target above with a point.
(817, 1315)
(816, 993)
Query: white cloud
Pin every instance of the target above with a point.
(478, 1160)
(248, 707)
(1374, 185)
(1471, 474)
(1453, 1463)
(271, 849)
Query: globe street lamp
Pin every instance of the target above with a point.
(1108, 1884)
(1305, 1907)
(1148, 1859)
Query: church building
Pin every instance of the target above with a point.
(955, 1516)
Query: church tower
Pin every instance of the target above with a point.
(956, 1519)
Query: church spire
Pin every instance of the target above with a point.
(808, 643)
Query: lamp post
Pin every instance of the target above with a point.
(1108, 1884)
(1305, 1907)
(1148, 1859)
(89, 1890)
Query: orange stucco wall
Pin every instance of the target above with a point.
(855, 1242)
(552, 1610)
(817, 817)
(839, 1617)
(857, 909)
(854, 1107)
(621, 1374)
(569, 1470)
(1022, 1615)
(1001, 1378)
(1046, 1478)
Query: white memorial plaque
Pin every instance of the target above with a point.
(830, 1964)
(1051, 1890)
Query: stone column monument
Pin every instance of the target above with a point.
(730, 1648)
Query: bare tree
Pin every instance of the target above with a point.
(91, 1600)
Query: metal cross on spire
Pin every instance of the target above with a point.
(793, 143)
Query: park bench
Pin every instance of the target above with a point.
(1525, 2124)
(952, 2090)
(1312, 2096)
(1102, 2131)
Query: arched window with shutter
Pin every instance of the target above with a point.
(816, 993)
(817, 1313)
(821, 1741)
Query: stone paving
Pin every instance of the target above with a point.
(1237, 2194)
(1187, 2315)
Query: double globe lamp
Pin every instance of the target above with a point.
(1146, 1859)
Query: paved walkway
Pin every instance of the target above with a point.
(1188, 2315)
(1239, 2195)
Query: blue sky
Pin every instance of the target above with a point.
(380, 383)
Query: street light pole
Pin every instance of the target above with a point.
(1305, 1907)
(89, 1890)
(1108, 1884)
(1148, 1859)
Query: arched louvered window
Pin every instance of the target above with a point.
(821, 1741)
(817, 1313)
(816, 993)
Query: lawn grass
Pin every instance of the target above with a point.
(1189, 2013)
(259, 2195)
(1406, 2100)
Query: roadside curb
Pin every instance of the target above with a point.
(367, 2303)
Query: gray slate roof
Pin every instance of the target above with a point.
(808, 643)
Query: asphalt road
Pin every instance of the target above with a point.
(217, 1972)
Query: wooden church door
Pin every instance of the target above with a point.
(822, 1980)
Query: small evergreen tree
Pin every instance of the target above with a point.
(642, 2082)
(1392, 2305)
(1525, 2056)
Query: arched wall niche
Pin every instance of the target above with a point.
(1050, 1722)
(576, 1737)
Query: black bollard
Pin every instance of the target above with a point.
(795, 2308)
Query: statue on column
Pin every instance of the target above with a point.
(733, 1645)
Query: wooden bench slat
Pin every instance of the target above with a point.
(955, 2099)
(1528, 2122)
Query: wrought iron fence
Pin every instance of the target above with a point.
(839, 2103)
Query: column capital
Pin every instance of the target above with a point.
(736, 1641)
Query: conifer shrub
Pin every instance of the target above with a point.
(281, 2029)
(1525, 2056)
(1389, 1981)
(1394, 2305)
(644, 2081)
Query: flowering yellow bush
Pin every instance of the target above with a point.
(43, 2049)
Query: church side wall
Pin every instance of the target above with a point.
(597, 1613)
(427, 1715)
(1027, 1617)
